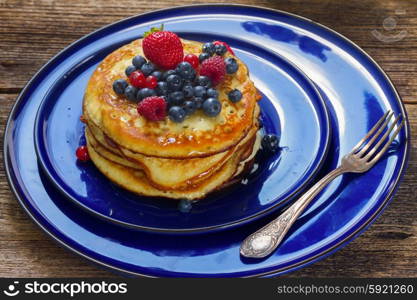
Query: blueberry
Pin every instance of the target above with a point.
(176, 114)
(270, 142)
(212, 107)
(130, 92)
(162, 88)
(138, 61)
(185, 70)
(209, 48)
(176, 98)
(189, 107)
(147, 68)
(119, 86)
(157, 75)
(184, 206)
(198, 102)
(235, 95)
(167, 73)
(203, 81)
(212, 93)
(203, 56)
(144, 93)
(174, 82)
(220, 49)
(129, 70)
(231, 65)
(199, 91)
(188, 91)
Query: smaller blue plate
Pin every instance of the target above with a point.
(291, 107)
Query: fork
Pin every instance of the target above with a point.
(362, 157)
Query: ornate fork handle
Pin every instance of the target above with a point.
(264, 241)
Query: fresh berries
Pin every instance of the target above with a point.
(129, 70)
(192, 60)
(212, 107)
(224, 44)
(189, 107)
(214, 68)
(200, 91)
(176, 98)
(82, 153)
(138, 61)
(119, 86)
(185, 70)
(174, 82)
(220, 49)
(147, 68)
(209, 48)
(144, 93)
(270, 142)
(231, 65)
(188, 91)
(130, 92)
(204, 81)
(137, 79)
(176, 114)
(153, 108)
(161, 88)
(157, 75)
(203, 56)
(151, 82)
(235, 95)
(163, 48)
(212, 93)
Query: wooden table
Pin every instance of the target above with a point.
(31, 32)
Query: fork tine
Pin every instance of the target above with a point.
(365, 148)
(383, 138)
(385, 148)
(370, 132)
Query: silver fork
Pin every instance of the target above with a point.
(362, 157)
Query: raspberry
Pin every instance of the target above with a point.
(151, 82)
(214, 68)
(226, 45)
(137, 79)
(153, 108)
(82, 153)
(192, 59)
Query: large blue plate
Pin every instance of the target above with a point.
(287, 95)
(355, 89)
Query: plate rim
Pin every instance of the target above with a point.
(338, 245)
(321, 110)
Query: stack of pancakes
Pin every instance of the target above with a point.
(175, 160)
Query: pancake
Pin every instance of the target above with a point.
(136, 180)
(197, 136)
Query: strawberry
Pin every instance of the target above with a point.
(214, 68)
(163, 48)
(153, 108)
(226, 45)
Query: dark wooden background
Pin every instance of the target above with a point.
(31, 32)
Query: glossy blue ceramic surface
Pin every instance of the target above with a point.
(356, 91)
(287, 95)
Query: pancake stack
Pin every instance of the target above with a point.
(184, 160)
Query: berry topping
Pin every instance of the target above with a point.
(129, 70)
(167, 73)
(82, 153)
(153, 108)
(176, 98)
(130, 92)
(192, 60)
(198, 102)
(209, 48)
(174, 82)
(220, 49)
(176, 114)
(144, 93)
(212, 93)
(226, 45)
(215, 68)
(157, 74)
(162, 88)
(151, 82)
(188, 91)
(119, 86)
(200, 91)
(212, 107)
(204, 81)
(235, 95)
(189, 107)
(203, 56)
(270, 142)
(138, 61)
(137, 79)
(147, 68)
(231, 65)
(185, 70)
(163, 48)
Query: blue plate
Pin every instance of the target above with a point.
(357, 92)
(287, 95)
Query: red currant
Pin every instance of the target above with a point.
(137, 79)
(192, 60)
(82, 153)
(151, 82)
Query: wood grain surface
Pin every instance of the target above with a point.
(31, 32)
